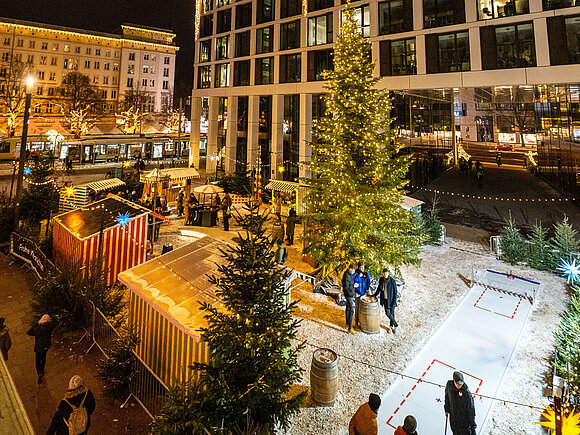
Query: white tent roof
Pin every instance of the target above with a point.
(409, 203)
(175, 283)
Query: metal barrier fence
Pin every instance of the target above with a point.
(147, 388)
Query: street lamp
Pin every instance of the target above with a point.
(22, 157)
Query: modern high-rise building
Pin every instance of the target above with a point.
(464, 65)
(140, 58)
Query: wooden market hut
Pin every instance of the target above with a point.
(82, 195)
(168, 182)
(165, 306)
(114, 226)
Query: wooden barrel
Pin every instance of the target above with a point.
(324, 376)
(369, 315)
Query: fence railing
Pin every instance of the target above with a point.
(31, 254)
(146, 387)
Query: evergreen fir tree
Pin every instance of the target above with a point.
(118, 371)
(567, 343)
(357, 177)
(252, 363)
(564, 240)
(513, 245)
(432, 224)
(40, 198)
(540, 256)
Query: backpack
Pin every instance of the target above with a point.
(78, 419)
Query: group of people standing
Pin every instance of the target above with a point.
(357, 283)
(73, 414)
(465, 167)
(459, 412)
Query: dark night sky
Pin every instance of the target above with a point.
(107, 16)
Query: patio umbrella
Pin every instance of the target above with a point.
(208, 189)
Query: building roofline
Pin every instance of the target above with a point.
(82, 32)
(154, 29)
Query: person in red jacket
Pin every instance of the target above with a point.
(409, 426)
(364, 422)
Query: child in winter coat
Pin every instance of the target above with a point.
(409, 426)
(5, 342)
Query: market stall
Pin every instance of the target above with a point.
(113, 229)
(168, 182)
(72, 197)
(288, 192)
(165, 296)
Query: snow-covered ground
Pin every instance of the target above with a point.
(432, 291)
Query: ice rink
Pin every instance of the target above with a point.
(477, 339)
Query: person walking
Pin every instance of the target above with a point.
(290, 224)
(409, 426)
(279, 207)
(459, 406)
(42, 333)
(226, 211)
(180, 199)
(349, 290)
(281, 253)
(498, 158)
(387, 292)
(5, 341)
(364, 421)
(73, 415)
(363, 279)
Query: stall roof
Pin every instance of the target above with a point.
(100, 185)
(86, 222)
(175, 283)
(409, 203)
(282, 186)
(174, 174)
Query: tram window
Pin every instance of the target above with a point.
(4, 147)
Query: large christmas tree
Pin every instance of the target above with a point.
(252, 360)
(357, 177)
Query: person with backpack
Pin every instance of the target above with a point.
(73, 415)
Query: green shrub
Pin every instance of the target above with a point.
(564, 240)
(540, 256)
(513, 245)
(118, 371)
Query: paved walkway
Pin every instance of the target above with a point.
(478, 339)
(504, 190)
(65, 358)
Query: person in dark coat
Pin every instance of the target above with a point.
(42, 333)
(5, 342)
(77, 395)
(226, 211)
(409, 426)
(290, 224)
(387, 292)
(180, 199)
(459, 406)
(363, 279)
(349, 290)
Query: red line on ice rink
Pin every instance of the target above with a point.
(495, 312)
(423, 375)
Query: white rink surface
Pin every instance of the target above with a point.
(478, 339)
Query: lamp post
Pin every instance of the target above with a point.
(22, 157)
